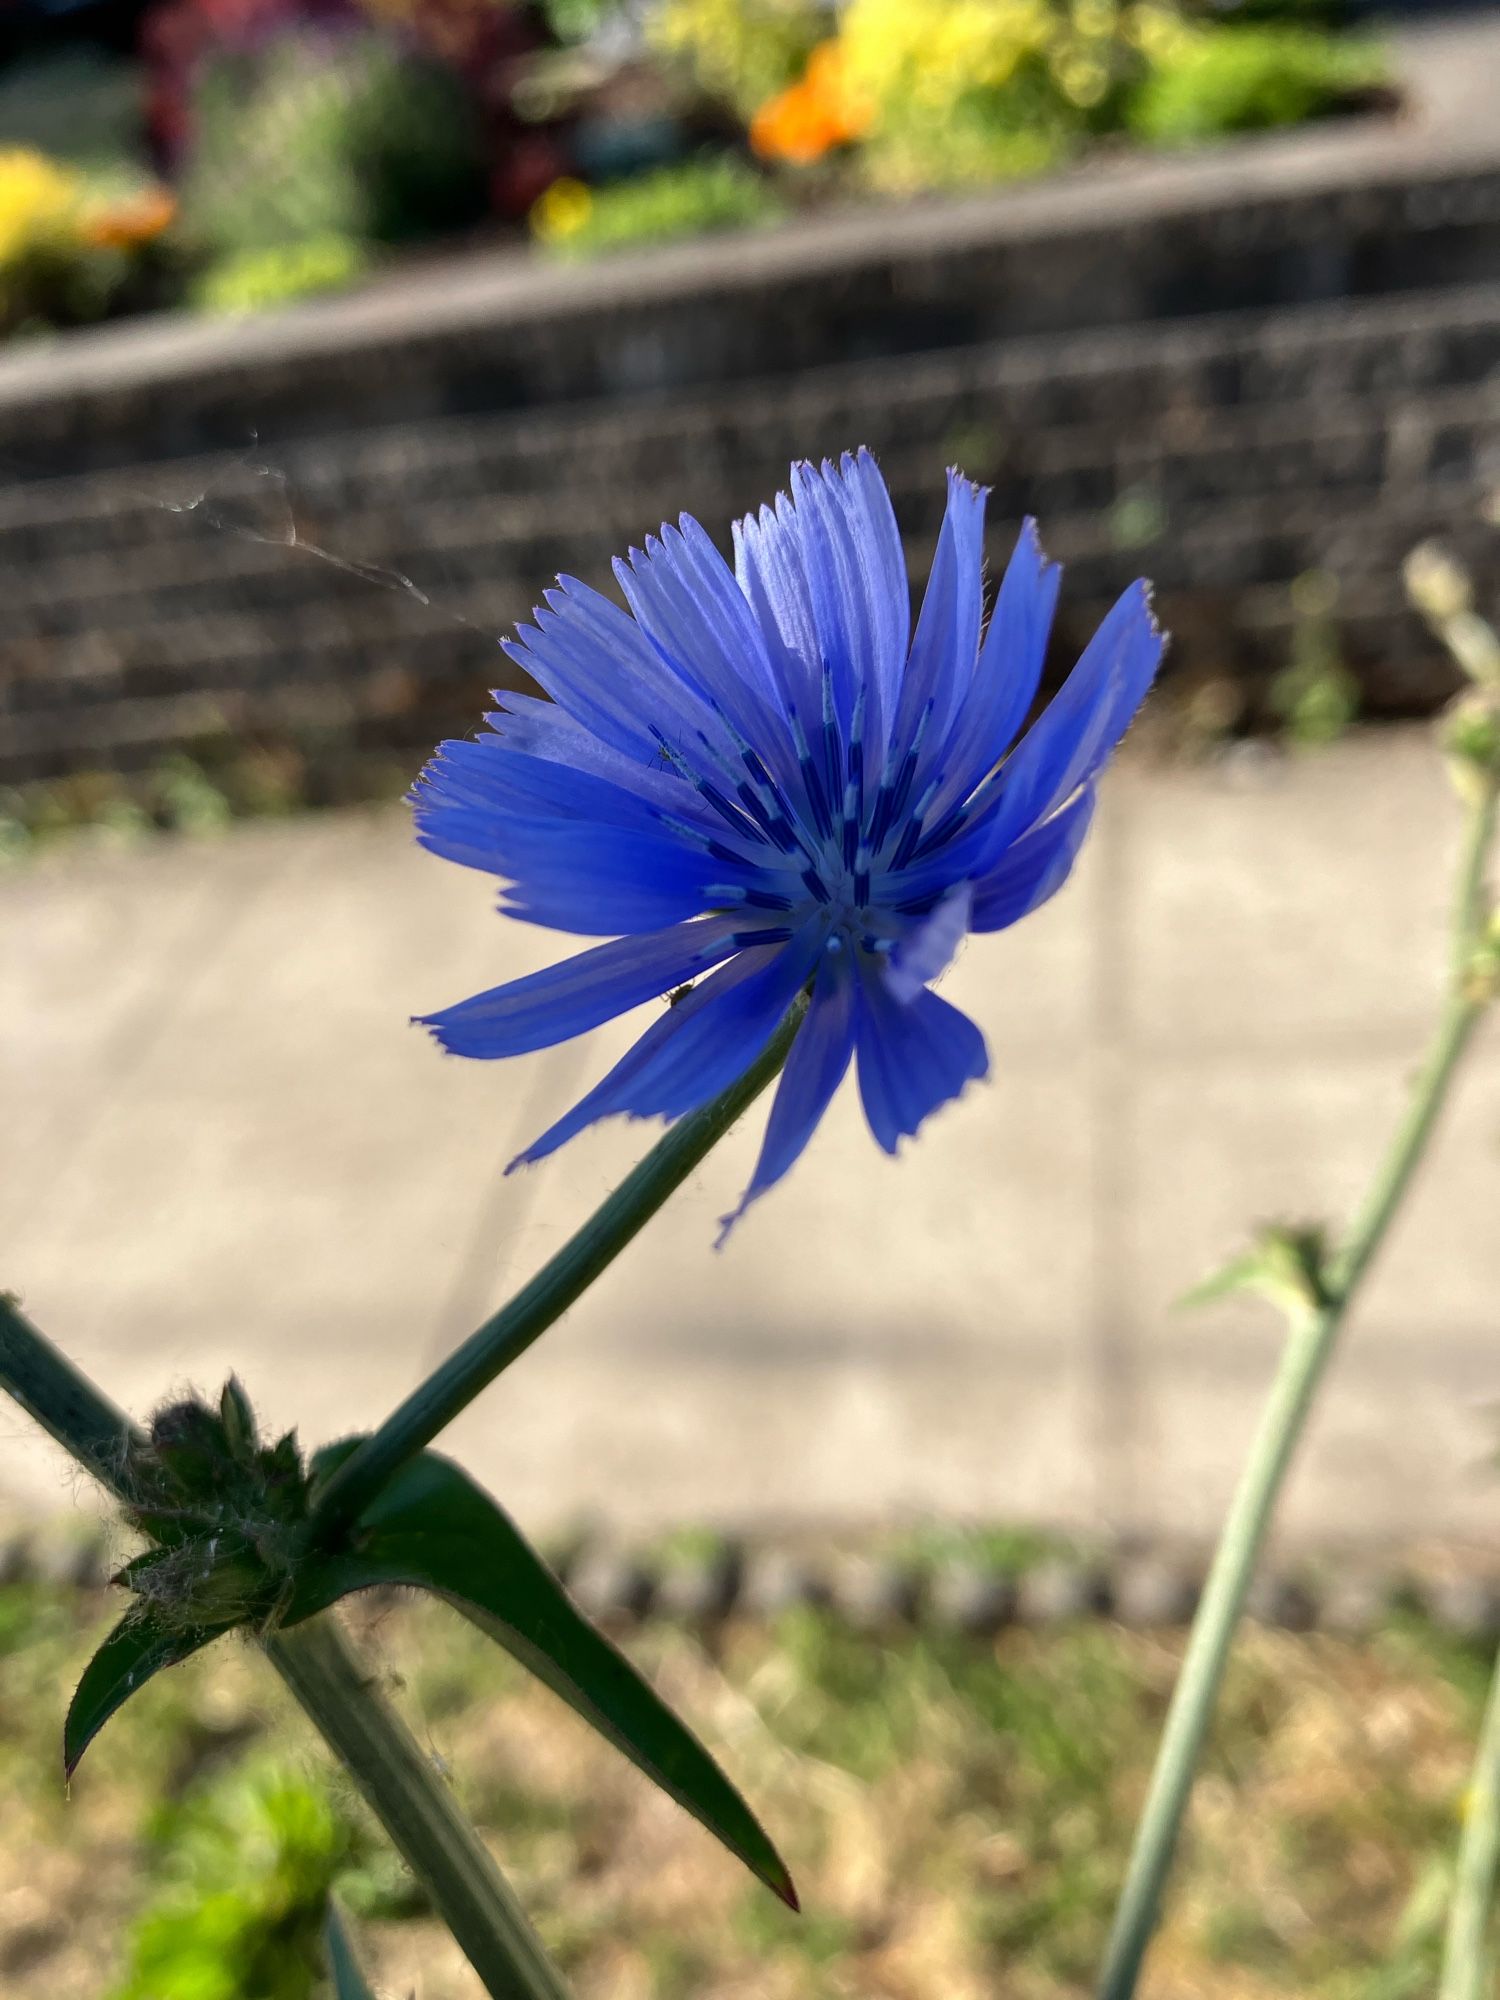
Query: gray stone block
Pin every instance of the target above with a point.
(611, 1586)
(775, 1581)
(1056, 1593)
(1154, 1591)
(966, 1597)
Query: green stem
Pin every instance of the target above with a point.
(63, 1400)
(403, 1791)
(416, 1809)
(1309, 1348)
(507, 1334)
(1466, 1958)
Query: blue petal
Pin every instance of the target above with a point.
(599, 666)
(540, 729)
(912, 1058)
(769, 567)
(488, 776)
(814, 1070)
(832, 572)
(575, 879)
(853, 557)
(847, 527)
(884, 590)
(568, 999)
(1085, 719)
(1033, 868)
(1015, 646)
(946, 645)
(690, 610)
(698, 1047)
(1009, 670)
(928, 948)
(573, 874)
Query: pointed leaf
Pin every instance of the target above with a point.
(1287, 1264)
(139, 1647)
(1242, 1274)
(349, 1982)
(435, 1529)
(238, 1420)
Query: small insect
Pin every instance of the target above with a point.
(679, 994)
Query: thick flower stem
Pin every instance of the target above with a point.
(401, 1788)
(1467, 1972)
(417, 1810)
(507, 1334)
(63, 1400)
(1310, 1344)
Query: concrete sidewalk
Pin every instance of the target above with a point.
(226, 1147)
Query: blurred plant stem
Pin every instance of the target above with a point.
(507, 1334)
(387, 1765)
(1467, 1969)
(1312, 1336)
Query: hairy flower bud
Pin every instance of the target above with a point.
(222, 1510)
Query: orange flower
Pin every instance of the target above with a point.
(128, 224)
(812, 116)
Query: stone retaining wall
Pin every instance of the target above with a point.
(1226, 372)
(874, 1591)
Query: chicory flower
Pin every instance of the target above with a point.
(758, 779)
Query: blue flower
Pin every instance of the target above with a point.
(760, 779)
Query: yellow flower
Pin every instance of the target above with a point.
(39, 202)
(561, 210)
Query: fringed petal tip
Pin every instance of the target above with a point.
(431, 1026)
(975, 489)
(549, 1142)
(1145, 590)
(727, 1222)
(1030, 538)
(899, 1140)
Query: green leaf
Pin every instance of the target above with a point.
(434, 1529)
(1288, 1265)
(1242, 1274)
(238, 1420)
(139, 1647)
(349, 1982)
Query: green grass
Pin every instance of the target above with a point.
(956, 1812)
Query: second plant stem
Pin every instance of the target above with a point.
(1309, 1348)
(1466, 1955)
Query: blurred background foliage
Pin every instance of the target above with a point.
(233, 154)
(958, 1805)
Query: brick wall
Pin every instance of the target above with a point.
(1226, 372)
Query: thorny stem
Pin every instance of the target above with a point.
(399, 1784)
(506, 1335)
(64, 1401)
(416, 1809)
(1310, 1344)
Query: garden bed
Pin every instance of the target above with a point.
(1265, 363)
(955, 1809)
